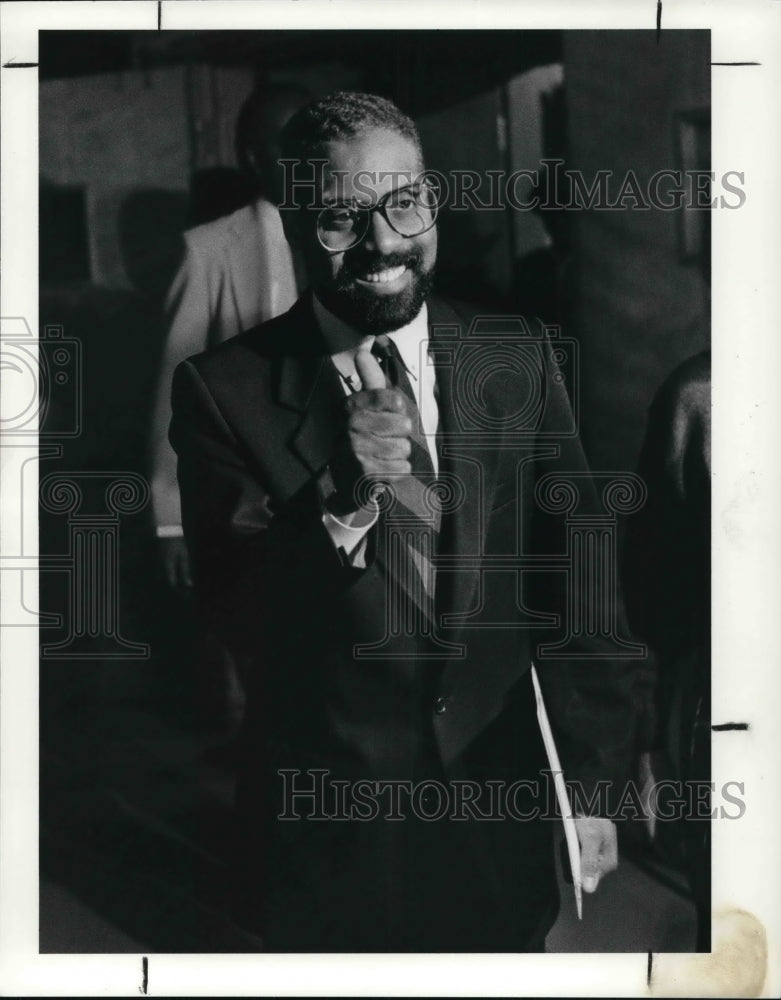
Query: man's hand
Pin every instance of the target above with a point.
(598, 849)
(176, 563)
(378, 432)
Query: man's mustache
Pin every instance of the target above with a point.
(365, 263)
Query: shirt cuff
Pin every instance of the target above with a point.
(169, 531)
(349, 533)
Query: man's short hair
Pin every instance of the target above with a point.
(343, 115)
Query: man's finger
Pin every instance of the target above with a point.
(598, 849)
(610, 849)
(589, 864)
(380, 423)
(382, 448)
(391, 400)
(369, 371)
(393, 467)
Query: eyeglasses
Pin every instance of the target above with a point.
(409, 211)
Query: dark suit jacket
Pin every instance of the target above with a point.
(255, 425)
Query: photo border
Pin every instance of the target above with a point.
(746, 319)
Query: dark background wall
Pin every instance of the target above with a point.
(638, 310)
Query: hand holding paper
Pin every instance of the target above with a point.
(597, 837)
(598, 849)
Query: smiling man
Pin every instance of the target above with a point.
(373, 276)
(352, 473)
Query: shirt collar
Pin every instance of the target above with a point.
(342, 340)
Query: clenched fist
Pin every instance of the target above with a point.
(378, 435)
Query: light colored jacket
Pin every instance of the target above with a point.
(237, 272)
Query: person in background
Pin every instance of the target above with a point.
(666, 571)
(236, 272)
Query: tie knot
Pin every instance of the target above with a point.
(383, 347)
(388, 357)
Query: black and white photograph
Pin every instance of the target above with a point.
(383, 587)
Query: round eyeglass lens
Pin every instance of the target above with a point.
(409, 211)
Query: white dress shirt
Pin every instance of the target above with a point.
(343, 342)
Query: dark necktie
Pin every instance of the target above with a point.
(410, 520)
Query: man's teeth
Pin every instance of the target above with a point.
(382, 277)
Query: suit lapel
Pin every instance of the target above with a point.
(308, 383)
(461, 538)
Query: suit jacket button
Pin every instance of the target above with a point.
(440, 706)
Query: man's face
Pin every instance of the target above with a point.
(381, 283)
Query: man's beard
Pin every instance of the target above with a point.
(368, 312)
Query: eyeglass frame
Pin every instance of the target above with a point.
(368, 210)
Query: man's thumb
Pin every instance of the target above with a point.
(589, 863)
(369, 371)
